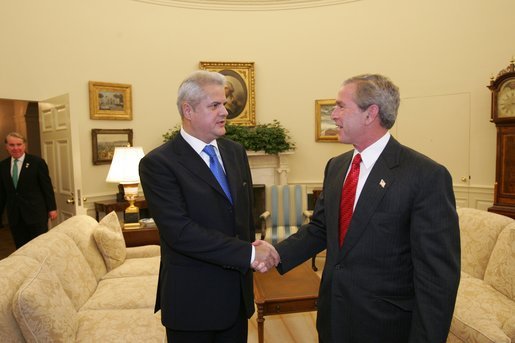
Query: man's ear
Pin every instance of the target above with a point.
(186, 110)
(372, 113)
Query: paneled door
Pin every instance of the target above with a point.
(62, 156)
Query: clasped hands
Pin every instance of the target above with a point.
(266, 256)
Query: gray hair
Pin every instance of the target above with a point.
(15, 135)
(375, 89)
(191, 89)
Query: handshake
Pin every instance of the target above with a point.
(266, 256)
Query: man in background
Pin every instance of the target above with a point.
(388, 220)
(198, 187)
(26, 191)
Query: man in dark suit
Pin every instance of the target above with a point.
(393, 265)
(26, 190)
(206, 227)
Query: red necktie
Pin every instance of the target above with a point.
(348, 197)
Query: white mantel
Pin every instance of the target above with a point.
(269, 169)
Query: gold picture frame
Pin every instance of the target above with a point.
(110, 101)
(240, 90)
(104, 142)
(325, 129)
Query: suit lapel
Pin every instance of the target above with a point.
(380, 179)
(195, 164)
(24, 168)
(231, 166)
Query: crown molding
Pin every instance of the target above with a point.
(246, 5)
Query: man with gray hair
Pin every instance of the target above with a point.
(387, 217)
(26, 191)
(199, 190)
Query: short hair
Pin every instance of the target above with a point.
(192, 90)
(375, 89)
(16, 135)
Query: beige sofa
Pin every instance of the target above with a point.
(485, 306)
(78, 283)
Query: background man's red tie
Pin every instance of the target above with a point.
(348, 197)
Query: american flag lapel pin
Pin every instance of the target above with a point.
(382, 183)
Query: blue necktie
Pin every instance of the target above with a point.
(217, 170)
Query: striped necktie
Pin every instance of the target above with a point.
(348, 197)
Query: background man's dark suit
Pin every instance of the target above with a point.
(395, 278)
(205, 241)
(30, 202)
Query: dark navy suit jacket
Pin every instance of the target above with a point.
(395, 278)
(34, 196)
(205, 240)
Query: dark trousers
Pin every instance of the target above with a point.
(23, 233)
(237, 333)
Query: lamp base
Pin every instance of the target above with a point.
(131, 214)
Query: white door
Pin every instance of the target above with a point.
(62, 156)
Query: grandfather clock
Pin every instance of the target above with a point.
(503, 115)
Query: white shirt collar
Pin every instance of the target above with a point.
(370, 155)
(21, 159)
(196, 143)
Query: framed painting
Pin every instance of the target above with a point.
(104, 142)
(239, 90)
(110, 101)
(325, 129)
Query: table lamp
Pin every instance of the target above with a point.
(125, 171)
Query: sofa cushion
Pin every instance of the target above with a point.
(500, 272)
(143, 251)
(478, 230)
(120, 326)
(80, 229)
(124, 293)
(109, 237)
(481, 313)
(63, 257)
(136, 267)
(43, 310)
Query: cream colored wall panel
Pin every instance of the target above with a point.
(301, 54)
(438, 126)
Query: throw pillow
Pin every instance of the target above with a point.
(109, 238)
(43, 310)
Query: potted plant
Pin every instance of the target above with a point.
(272, 138)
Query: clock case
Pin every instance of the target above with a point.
(504, 187)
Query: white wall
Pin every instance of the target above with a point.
(428, 48)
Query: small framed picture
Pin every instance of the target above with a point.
(110, 101)
(239, 90)
(325, 128)
(104, 142)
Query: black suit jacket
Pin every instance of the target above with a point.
(205, 240)
(34, 196)
(396, 277)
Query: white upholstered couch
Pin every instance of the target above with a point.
(485, 306)
(78, 283)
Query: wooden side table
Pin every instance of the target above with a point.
(141, 236)
(295, 291)
(113, 205)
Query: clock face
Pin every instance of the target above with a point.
(506, 100)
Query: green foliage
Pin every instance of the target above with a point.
(272, 138)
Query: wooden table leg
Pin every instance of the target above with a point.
(260, 323)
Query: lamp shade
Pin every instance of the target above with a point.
(125, 165)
